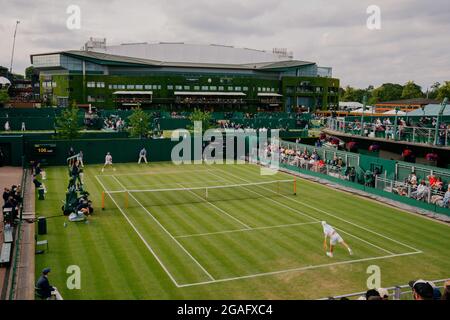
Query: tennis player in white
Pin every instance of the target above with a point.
(108, 161)
(334, 239)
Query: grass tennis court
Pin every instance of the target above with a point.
(227, 232)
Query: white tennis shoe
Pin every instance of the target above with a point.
(330, 254)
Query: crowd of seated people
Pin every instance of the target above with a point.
(114, 122)
(420, 290)
(312, 161)
(385, 126)
(232, 125)
(12, 199)
(431, 189)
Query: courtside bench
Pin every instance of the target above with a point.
(8, 235)
(5, 255)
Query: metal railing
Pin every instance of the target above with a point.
(404, 169)
(430, 195)
(395, 292)
(391, 132)
(350, 159)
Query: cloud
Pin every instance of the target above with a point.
(411, 45)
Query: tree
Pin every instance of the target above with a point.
(348, 94)
(434, 90)
(411, 91)
(29, 72)
(67, 126)
(4, 97)
(444, 91)
(386, 92)
(139, 123)
(203, 116)
(354, 94)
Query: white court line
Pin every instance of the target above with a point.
(349, 222)
(142, 238)
(278, 203)
(374, 245)
(152, 172)
(221, 210)
(171, 184)
(168, 233)
(242, 230)
(296, 269)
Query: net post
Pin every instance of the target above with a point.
(295, 187)
(397, 293)
(103, 200)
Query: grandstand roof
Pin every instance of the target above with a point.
(109, 59)
(393, 111)
(408, 102)
(350, 104)
(431, 110)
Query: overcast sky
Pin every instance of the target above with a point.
(412, 44)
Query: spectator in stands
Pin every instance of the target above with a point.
(446, 294)
(421, 192)
(17, 194)
(13, 205)
(6, 193)
(422, 290)
(412, 179)
(44, 289)
(352, 174)
(446, 199)
(372, 294)
(384, 294)
(431, 180)
(436, 292)
(438, 185)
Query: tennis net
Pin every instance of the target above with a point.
(185, 194)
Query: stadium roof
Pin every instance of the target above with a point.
(406, 102)
(109, 59)
(430, 110)
(393, 111)
(350, 105)
(206, 93)
(133, 92)
(269, 94)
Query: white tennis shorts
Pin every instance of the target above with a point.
(336, 238)
(108, 162)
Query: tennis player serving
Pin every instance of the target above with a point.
(334, 239)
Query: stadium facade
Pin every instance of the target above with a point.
(178, 76)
